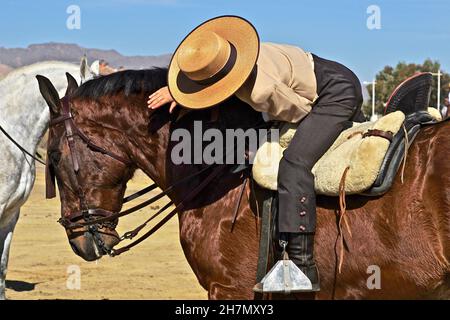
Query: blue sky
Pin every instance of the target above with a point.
(411, 30)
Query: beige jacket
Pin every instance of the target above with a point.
(283, 84)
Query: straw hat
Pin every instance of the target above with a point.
(213, 62)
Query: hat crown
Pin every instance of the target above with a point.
(203, 55)
(213, 61)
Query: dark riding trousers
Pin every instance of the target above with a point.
(339, 103)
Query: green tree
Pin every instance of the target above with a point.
(389, 78)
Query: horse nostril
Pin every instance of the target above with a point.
(75, 249)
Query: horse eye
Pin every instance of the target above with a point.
(55, 157)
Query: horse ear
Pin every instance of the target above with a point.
(84, 69)
(49, 93)
(95, 68)
(72, 84)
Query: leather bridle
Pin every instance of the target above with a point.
(98, 218)
(85, 212)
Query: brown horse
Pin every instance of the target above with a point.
(402, 237)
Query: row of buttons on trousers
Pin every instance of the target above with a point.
(302, 214)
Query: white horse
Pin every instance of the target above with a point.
(25, 116)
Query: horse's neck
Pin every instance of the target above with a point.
(147, 140)
(154, 152)
(147, 148)
(155, 170)
(24, 116)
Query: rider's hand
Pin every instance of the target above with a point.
(160, 98)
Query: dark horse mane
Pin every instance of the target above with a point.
(134, 82)
(128, 81)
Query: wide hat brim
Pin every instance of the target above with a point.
(244, 37)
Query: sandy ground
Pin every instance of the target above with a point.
(42, 265)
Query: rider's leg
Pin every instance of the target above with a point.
(339, 104)
(297, 201)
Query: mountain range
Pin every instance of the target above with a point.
(18, 57)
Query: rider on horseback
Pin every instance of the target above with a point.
(222, 57)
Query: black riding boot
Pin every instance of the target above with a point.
(300, 249)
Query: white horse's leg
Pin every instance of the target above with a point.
(6, 232)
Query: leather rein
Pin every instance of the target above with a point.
(25, 151)
(97, 218)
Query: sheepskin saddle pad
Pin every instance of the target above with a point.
(366, 156)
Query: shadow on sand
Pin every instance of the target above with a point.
(20, 286)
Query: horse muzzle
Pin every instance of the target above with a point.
(91, 245)
(89, 238)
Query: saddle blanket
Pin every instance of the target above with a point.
(356, 150)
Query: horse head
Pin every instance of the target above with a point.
(89, 182)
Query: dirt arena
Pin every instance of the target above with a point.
(41, 260)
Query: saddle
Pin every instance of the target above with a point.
(369, 154)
